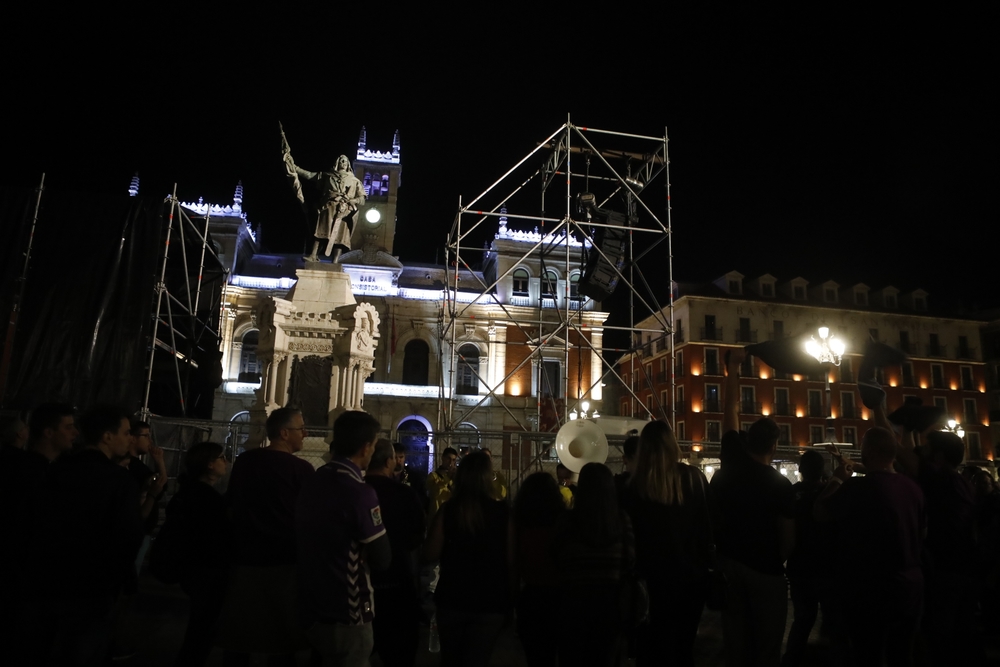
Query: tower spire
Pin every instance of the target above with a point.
(238, 196)
(363, 140)
(133, 188)
(395, 144)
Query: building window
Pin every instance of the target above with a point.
(550, 281)
(937, 376)
(549, 379)
(919, 303)
(846, 370)
(975, 448)
(468, 370)
(520, 282)
(712, 361)
(781, 406)
(712, 398)
(967, 378)
(851, 435)
(626, 412)
(710, 331)
(681, 406)
(745, 335)
(745, 426)
(748, 401)
(934, 348)
(681, 432)
(416, 366)
(679, 364)
(713, 431)
(734, 287)
(860, 298)
(941, 402)
(847, 406)
(964, 351)
(815, 403)
(249, 366)
(799, 292)
(971, 414)
(904, 341)
(664, 399)
(767, 289)
(816, 434)
(890, 300)
(574, 287)
(785, 434)
(830, 295)
(908, 375)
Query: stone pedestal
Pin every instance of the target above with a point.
(316, 347)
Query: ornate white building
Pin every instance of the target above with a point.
(469, 361)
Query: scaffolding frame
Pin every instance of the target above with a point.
(187, 326)
(641, 169)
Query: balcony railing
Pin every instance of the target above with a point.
(906, 346)
(849, 412)
(746, 336)
(908, 380)
(712, 369)
(714, 333)
(938, 350)
(712, 405)
(846, 375)
(679, 372)
(782, 409)
(679, 336)
(967, 384)
(680, 407)
(777, 335)
(749, 408)
(971, 418)
(966, 352)
(662, 377)
(816, 410)
(748, 370)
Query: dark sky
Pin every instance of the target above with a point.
(822, 143)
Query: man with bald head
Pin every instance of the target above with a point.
(882, 527)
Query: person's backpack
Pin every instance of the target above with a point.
(169, 554)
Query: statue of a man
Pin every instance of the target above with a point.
(340, 196)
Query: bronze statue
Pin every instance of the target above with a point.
(340, 196)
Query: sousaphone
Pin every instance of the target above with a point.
(580, 442)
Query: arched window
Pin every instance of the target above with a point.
(550, 282)
(415, 362)
(468, 369)
(249, 366)
(521, 282)
(574, 287)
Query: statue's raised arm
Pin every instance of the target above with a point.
(340, 195)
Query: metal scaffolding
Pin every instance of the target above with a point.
(183, 327)
(620, 180)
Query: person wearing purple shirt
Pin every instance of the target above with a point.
(341, 537)
(882, 526)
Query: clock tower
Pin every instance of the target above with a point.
(375, 223)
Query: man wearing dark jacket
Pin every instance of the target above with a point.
(84, 538)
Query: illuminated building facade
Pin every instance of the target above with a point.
(415, 387)
(945, 366)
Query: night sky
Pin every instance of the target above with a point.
(827, 144)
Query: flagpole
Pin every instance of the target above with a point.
(15, 308)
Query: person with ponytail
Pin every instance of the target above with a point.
(668, 505)
(468, 536)
(200, 513)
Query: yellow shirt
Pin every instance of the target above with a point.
(438, 491)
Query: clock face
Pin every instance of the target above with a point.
(372, 215)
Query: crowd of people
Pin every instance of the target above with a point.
(590, 568)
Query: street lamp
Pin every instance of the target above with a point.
(827, 350)
(954, 427)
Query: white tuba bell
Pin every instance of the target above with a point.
(580, 442)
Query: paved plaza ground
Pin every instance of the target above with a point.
(161, 615)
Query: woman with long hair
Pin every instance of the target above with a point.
(537, 509)
(667, 502)
(199, 513)
(594, 549)
(468, 536)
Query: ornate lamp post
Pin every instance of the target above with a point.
(827, 350)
